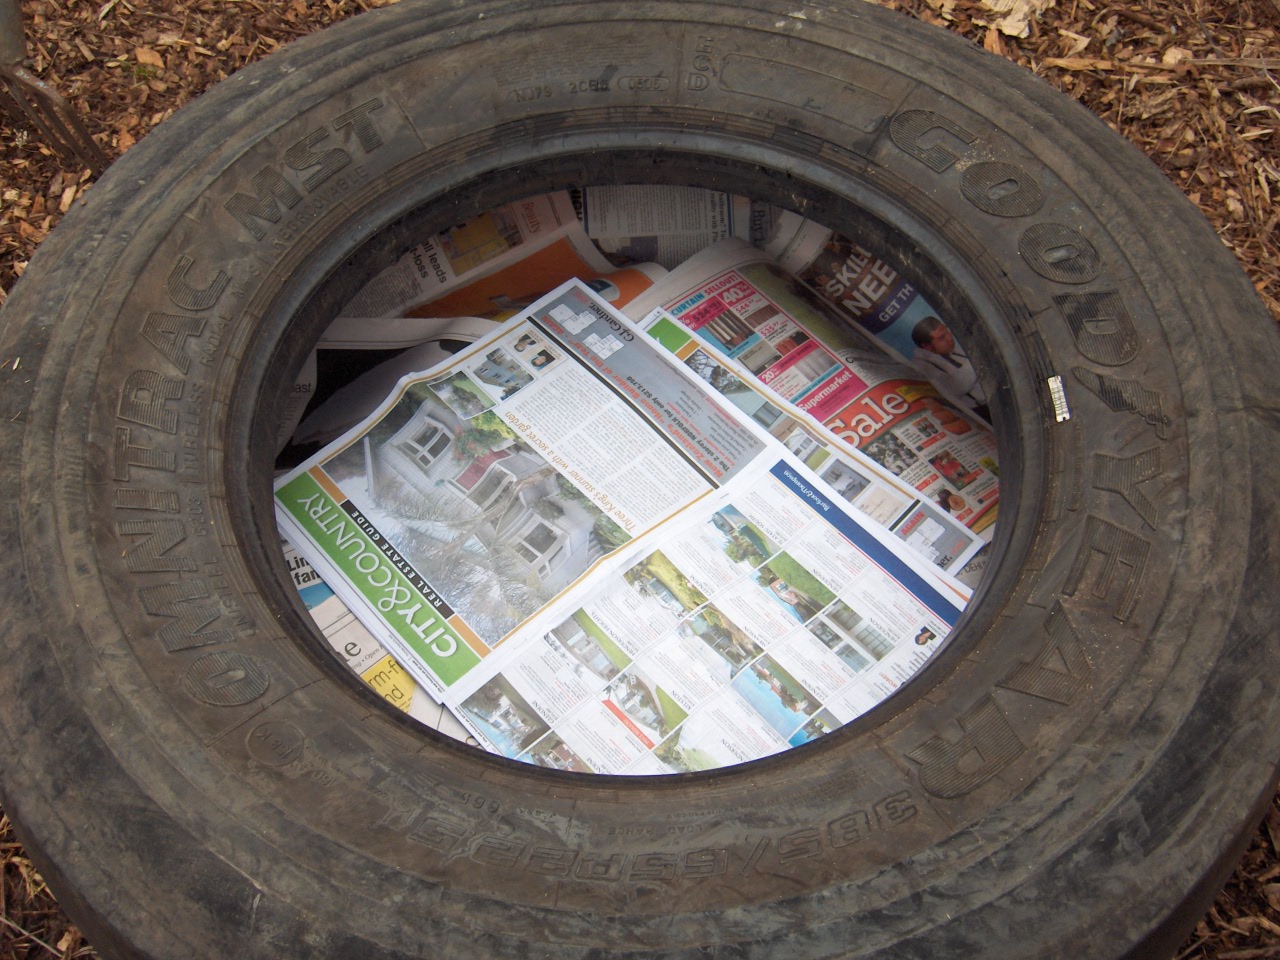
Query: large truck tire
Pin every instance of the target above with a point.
(1072, 776)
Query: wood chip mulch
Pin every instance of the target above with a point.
(1194, 83)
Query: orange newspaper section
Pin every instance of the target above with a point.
(518, 283)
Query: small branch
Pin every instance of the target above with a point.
(1259, 63)
(30, 936)
(1141, 18)
(1248, 83)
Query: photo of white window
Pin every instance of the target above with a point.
(489, 523)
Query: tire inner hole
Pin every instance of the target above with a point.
(753, 646)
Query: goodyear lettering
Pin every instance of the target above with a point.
(1061, 668)
(1127, 396)
(953, 768)
(1123, 475)
(1101, 325)
(1060, 253)
(933, 139)
(1111, 561)
(1001, 189)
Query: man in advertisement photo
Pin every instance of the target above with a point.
(940, 358)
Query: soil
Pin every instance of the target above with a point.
(1194, 83)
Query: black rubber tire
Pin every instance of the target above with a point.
(1071, 777)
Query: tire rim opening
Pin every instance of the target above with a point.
(915, 286)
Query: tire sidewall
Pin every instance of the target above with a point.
(1115, 621)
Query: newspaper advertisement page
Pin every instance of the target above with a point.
(478, 267)
(484, 489)
(728, 582)
(772, 326)
(363, 654)
(971, 573)
(771, 616)
(932, 532)
(766, 615)
(661, 223)
(871, 293)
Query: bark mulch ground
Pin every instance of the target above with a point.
(1194, 83)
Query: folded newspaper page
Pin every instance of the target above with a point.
(483, 265)
(363, 654)
(424, 341)
(355, 400)
(927, 528)
(794, 242)
(776, 329)
(765, 620)
(872, 294)
(304, 387)
(599, 564)
(660, 223)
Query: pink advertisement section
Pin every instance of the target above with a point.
(834, 395)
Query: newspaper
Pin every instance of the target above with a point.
(355, 400)
(794, 242)
(363, 654)
(598, 564)
(776, 330)
(870, 292)
(486, 264)
(658, 223)
(971, 573)
(352, 402)
(932, 532)
(304, 388)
